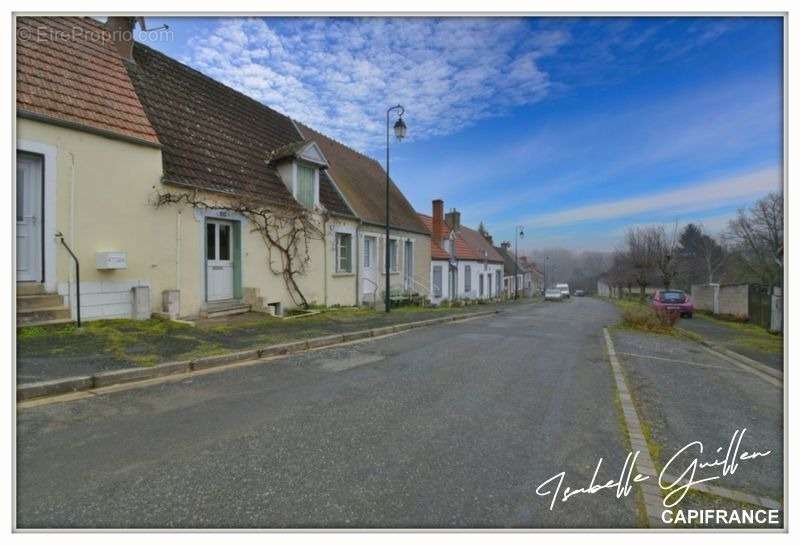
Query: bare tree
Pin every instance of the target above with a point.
(665, 252)
(757, 235)
(642, 247)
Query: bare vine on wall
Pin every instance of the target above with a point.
(285, 232)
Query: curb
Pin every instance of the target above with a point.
(39, 390)
(744, 360)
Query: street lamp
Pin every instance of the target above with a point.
(400, 133)
(518, 234)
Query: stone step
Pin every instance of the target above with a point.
(30, 288)
(40, 316)
(217, 310)
(33, 302)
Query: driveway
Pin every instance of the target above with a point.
(450, 426)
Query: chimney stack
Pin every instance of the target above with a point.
(453, 219)
(121, 30)
(438, 221)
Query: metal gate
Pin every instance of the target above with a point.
(759, 304)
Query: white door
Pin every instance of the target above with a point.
(219, 260)
(369, 269)
(30, 171)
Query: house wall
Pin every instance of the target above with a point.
(102, 202)
(476, 270)
(421, 258)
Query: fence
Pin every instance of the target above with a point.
(758, 304)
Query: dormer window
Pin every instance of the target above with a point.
(306, 185)
(299, 165)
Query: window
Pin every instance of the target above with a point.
(467, 279)
(304, 191)
(211, 245)
(499, 279)
(437, 281)
(392, 255)
(480, 285)
(224, 242)
(489, 284)
(344, 251)
(368, 250)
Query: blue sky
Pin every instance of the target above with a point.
(574, 128)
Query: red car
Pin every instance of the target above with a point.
(673, 301)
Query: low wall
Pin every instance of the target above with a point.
(733, 301)
(703, 297)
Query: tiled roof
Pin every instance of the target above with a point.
(69, 72)
(362, 180)
(466, 247)
(216, 138)
(477, 241)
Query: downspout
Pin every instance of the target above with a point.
(72, 234)
(358, 262)
(178, 243)
(325, 261)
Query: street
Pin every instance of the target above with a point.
(444, 427)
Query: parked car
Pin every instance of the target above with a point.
(579, 293)
(564, 290)
(673, 301)
(553, 294)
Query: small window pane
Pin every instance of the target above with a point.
(20, 192)
(224, 242)
(211, 249)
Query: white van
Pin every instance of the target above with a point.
(564, 290)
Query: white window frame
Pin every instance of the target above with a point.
(337, 252)
(437, 292)
(394, 254)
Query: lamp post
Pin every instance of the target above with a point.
(546, 261)
(518, 234)
(400, 133)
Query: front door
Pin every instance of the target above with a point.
(30, 182)
(369, 278)
(219, 260)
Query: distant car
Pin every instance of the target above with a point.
(673, 301)
(553, 294)
(564, 290)
(579, 293)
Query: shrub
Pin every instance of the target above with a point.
(648, 319)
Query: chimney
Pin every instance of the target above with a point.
(505, 245)
(438, 221)
(453, 219)
(121, 30)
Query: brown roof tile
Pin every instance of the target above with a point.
(467, 245)
(68, 70)
(362, 180)
(216, 138)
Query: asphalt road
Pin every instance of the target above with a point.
(445, 427)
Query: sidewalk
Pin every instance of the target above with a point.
(49, 353)
(746, 339)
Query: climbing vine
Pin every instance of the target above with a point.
(286, 232)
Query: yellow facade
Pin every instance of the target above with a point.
(103, 202)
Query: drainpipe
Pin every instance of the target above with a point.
(325, 261)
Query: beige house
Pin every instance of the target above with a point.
(167, 186)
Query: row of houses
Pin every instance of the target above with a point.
(169, 192)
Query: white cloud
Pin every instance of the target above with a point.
(693, 198)
(340, 75)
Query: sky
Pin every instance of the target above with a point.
(573, 128)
